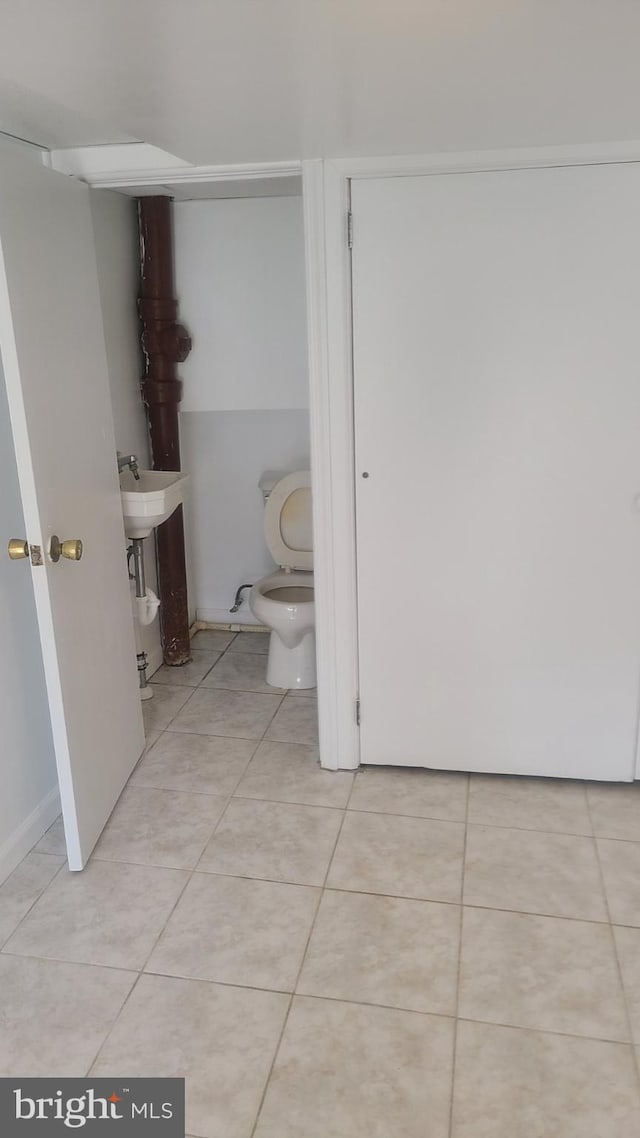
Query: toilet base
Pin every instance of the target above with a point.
(292, 667)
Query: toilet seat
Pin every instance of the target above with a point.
(288, 522)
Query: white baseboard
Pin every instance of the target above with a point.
(29, 832)
(223, 616)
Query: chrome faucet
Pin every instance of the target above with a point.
(131, 461)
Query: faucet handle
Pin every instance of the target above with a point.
(130, 460)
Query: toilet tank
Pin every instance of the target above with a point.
(269, 479)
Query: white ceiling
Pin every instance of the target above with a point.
(32, 117)
(236, 81)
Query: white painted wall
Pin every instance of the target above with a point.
(240, 284)
(116, 236)
(226, 453)
(29, 799)
(241, 288)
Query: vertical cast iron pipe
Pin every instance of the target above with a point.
(165, 343)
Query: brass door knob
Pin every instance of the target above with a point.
(71, 549)
(18, 548)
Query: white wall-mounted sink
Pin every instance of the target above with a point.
(150, 499)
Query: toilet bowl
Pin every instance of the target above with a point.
(284, 600)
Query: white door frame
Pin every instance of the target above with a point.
(139, 166)
(326, 203)
(326, 195)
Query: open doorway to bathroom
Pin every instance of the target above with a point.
(244, 423)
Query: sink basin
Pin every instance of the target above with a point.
(151, 499)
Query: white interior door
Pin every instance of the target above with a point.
(497, 411)
(53, 353)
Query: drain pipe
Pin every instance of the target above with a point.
(146, 607)
(239, 597)
(165, 343)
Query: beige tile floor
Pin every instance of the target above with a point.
(399, 954)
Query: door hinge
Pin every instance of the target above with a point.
(357, 712)
(350, 230)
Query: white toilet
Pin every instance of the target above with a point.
(283, 601)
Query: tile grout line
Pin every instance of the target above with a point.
(296, 801)
(224, 687)
(35, 902)
(460, 927)
(193, 690)
(190, 873)
(211, 735)
(321, 893)
(312, 926)
(621, 841)
(282, 692)
(221, 654)
(471, 905)
(208, 733)
(475, 823)
(141, 970)
(627, 1011)
(342, 889)
(324, 888)
(198, 868)
(113, 861)
(73, 963)
(232, 795)
(314, 996)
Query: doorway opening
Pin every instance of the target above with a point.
(244, 419)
